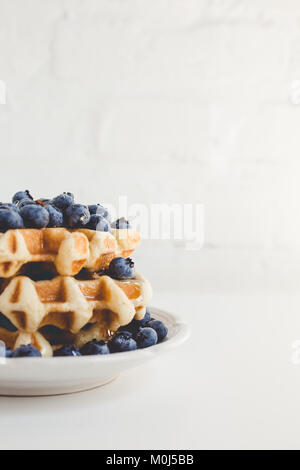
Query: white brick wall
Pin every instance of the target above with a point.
(164, 100)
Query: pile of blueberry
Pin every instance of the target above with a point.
(60, 211)
(138, 334)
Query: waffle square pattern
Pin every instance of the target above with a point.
(83, 309)
(68, 250)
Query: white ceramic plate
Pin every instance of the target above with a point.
(59, 375)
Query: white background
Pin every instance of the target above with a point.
(187, 101)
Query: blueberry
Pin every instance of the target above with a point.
(77, 215)
(132, 327)
(94, 347)
(8, 205)
(25, 202)
(26, 351)
(68, 350)
(21, 195)
(159, 327)
(135, 325)
(56, 218)
(146, 318)
(63, 201)
(10, 220)
(121, 268)
(35, 216)
(121, 342)
(93, 208)
(146, 337)
(126, 333)
(99, 210)
(8, 352)
(97, 222)
(121, 223)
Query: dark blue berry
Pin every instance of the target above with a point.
(8, 352)
(121, 223)
(146, 337)
(97, 222)
(131, 327)
(56, 218)
(35, 216)
(94, 347)
(8, 205)
(25, 202)
(21, 195)
(121, 268)
(93, 208)
(77, 215)
(135, 325)
(125, 333)
(159, 327)
(26, 351)
(121, 342)
(99, 210)
(146, 318)
(10, 220)
(68, 350)
(63, 201)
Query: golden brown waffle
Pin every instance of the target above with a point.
(68, 250)
(104, 246)
(70, 304)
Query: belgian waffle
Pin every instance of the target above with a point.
(68, 250)
(71, 304)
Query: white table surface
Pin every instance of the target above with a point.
(233, 385)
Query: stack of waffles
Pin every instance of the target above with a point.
(54, 290)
